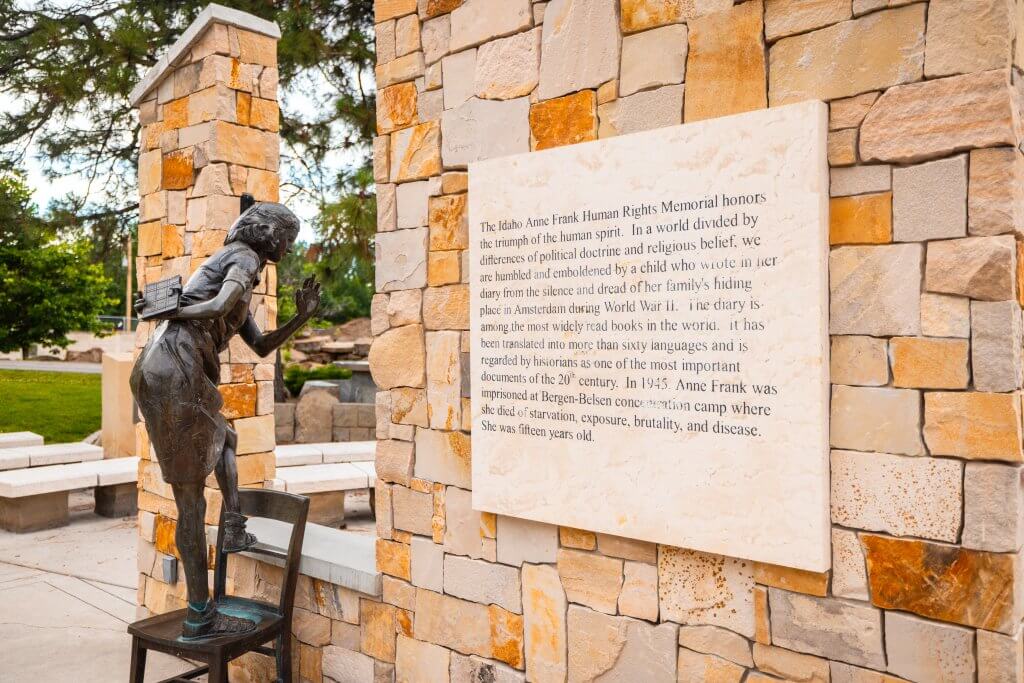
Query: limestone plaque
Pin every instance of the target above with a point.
(649, 336)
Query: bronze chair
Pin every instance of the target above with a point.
(162, 632)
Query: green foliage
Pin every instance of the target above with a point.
(295, 376)
(68, 68)
(59, 406)
(48, 287)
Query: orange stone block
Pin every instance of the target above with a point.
(208, 241)
(177, 171)
(420, 154)
(861, 219)
(725, 67)
(389, 9)
(255, 48)
(378, 629)
(163, 535)
(577, 538)
(443, 268)
(176, 114)
(787, 578)
(239, 400)
(564, 120)
(264, 186)
(506, 636)
(448, 219)
(394, 559)
(927, 363)
(638, 15)
(943, 582)
(396, 107)
(973, 425)
(173, 241)
(265, 114)
(243, 108)
(435, 8)
(762, 626)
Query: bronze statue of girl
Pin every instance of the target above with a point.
(175, 385)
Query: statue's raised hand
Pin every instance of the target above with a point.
(307, 298)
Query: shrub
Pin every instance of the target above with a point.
(295, 376)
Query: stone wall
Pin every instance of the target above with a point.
(925, 315)
(209, 118)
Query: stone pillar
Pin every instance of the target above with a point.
(209, 116)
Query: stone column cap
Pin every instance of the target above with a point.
(212, 14)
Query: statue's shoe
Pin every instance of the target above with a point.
(211, 623)
(236, 538)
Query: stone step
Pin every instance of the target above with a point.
(323, 478)
(19, 439)
(297, 454)
(53, 454)
(34, 481)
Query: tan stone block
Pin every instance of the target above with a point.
(608, 92)
(1000, 657)
(409, 406)
(931, 119)
(876, 51)
(859, 361)
(977, 267)
(993, 507)
(404, 307)
(394, 461)
(577, 538)
(726, 65)
(416, 152)
(150, 239)
(407, 68)
(701, 588)
(412, 511)
(398, 357)
(849, 631)
(591, 580)
(150, 172)
(443, 457)
(264, 186)
(791, 665)
(212, 179)
(227, 70)
(717, 641)
(966, 38)
(693, 666)
(382, 158)
(544, 616)
(861, 219)
(876, 419)
(396, 108)
(264, 114)
(444, 373)
(875, 290)
(929, 363)
(216, 103)
(449, 222)
(407, 35)
(243, 145)
(208, 242)
(640, 72)
(639, 595)
(849, 112)
(255, 48)
(393, 559)
(255, 434)
(446, 308)
(620, 649)
(973, 425)
(842, 147)
(787, 578)
(454, 182)
(564, 121)
(392, 9)
(995, 199)
(995, 345)
(851, 180)
(627, 548)
(638, 15)
(930, 200)
(469, 627)
(945, 316)
(508, 67)
(786, 17)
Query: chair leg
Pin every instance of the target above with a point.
(218, 672)
(283, 653)
(138, 671)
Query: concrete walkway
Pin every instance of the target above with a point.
(51, 366)
(66, 597)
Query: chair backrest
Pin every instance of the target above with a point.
(277, 505)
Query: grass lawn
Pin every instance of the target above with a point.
(61, 406)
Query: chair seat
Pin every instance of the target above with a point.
(163, 631)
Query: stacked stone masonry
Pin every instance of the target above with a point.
(927, 208)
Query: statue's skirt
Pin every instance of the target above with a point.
(175, 385)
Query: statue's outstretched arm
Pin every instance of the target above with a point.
(307, 301)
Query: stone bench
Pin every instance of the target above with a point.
(54, 454)
(36, 498)
(326, 485)
(316, 453)
(18, 439)
(342, 558)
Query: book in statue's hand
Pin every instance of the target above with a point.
(161, 297)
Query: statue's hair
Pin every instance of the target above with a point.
(259, 224)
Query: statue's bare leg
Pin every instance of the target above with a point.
(235, 537)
